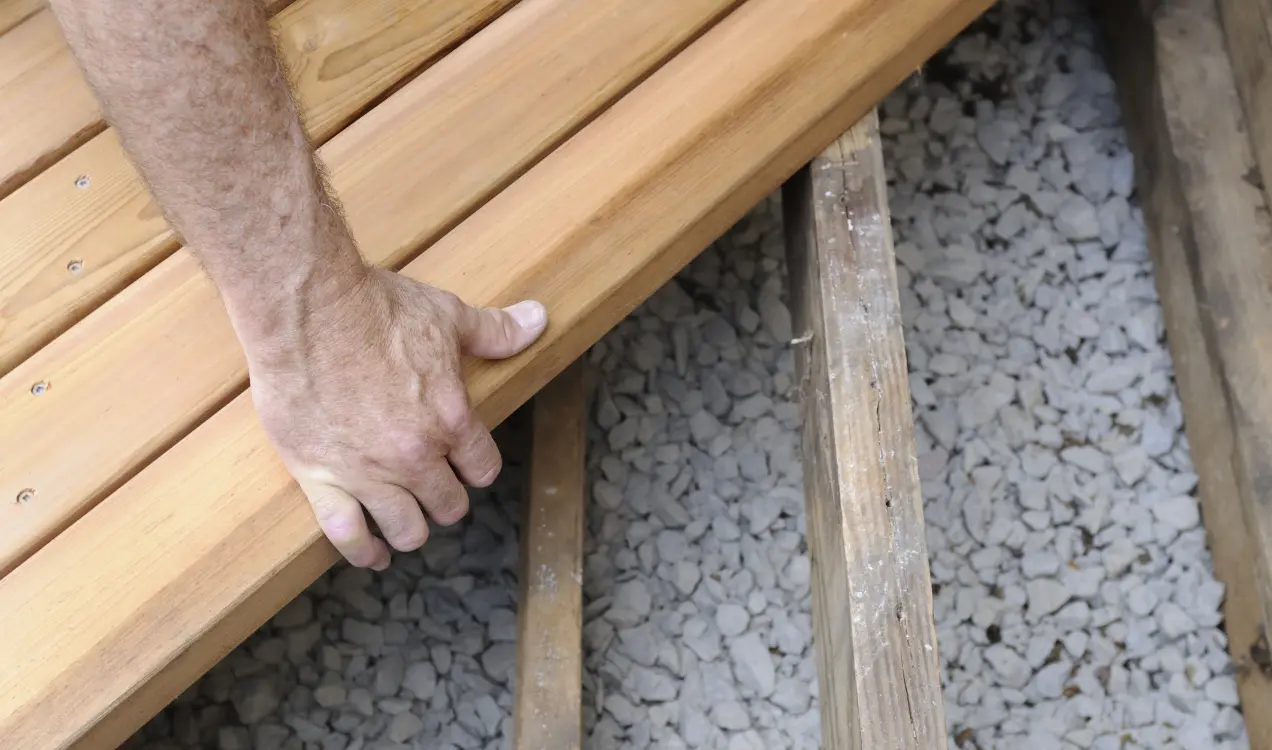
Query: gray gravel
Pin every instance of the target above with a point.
(1074, 598)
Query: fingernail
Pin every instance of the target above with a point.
(381, 566)
(530, 315)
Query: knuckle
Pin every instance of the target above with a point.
(452, 509)
(411, 538)
(488, 468)
(411, 447)
(391, 517)
(508, 328)
(452, 412)
(450, 304)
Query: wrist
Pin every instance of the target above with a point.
(279, 313)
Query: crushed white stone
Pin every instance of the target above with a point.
(1046, 595)
(1180, 513)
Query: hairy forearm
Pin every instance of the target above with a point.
(196, 93)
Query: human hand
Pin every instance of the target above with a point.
(367, 408)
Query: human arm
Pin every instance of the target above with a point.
(355, 371)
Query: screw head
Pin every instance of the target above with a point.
(75, 266)
(26, 496)
(40, 388)
(81, 182)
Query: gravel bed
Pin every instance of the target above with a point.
(1074, 598)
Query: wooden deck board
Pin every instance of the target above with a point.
(106, 623)
(14, 12)
(92, 209)
(46, 108)
(548, 709)
(1181, 230)
(878, 672)
(159, 357)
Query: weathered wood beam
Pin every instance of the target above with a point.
(1248, 27)
(1207, 221)
(878, 680)
(548, 708)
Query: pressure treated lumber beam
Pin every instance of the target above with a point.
(46, 107)
(878, 672)
(158, 358)
(86, 227)
(14, 12)
(1248, 25)
(548, 709)
(1180, 67)
(121, 611)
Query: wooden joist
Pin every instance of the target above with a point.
(118, 613)
(1210, 240)
(878, 672)
(161, 356)
(548, 709)
(1248, 26)
(85, 228)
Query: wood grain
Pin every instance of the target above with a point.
(547, 710)
(1248, 26)
(46, 108)
(107, 621)
(159, 357)
(879, 677)
(14, 12)
(1140, 56)
(92, 210)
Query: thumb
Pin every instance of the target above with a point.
(492, 333)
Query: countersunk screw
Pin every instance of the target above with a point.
(26, 496)
(81, 182)
(40, 388)
(75, 266)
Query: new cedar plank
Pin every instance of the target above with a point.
(341, 54)
(155, 360)
(878, 672)
(46, 107)
(119, 612)
(1199, 375)
(14, 12)
(1248, 25)
(547, 708)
